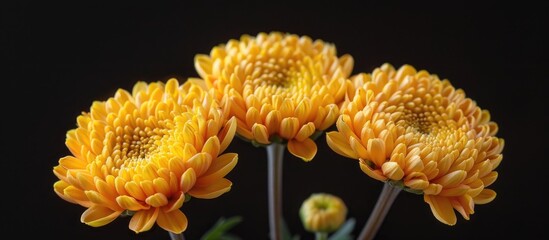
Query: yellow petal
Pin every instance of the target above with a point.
(212, 146)
(75, 193)
(452, 179)
(376, 150)
(219, 168)
(272, 121)
(157, 200)
(306, 149)
(252, 116)
(340, 145)
(203, 65)
(212, 190)
(173, 221)
(464, 205)
(456, 191)
(130, 203)
(70, 162)
(260, 133)
(489, 179)
(305, 132)
(441, 208)
(143, 220)
(188, 179)
(289, 127)
(97, 216)
(200, 162)
(373, 173)
(486, 196)
(392, 170)
(226, 135)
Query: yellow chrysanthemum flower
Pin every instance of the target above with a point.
(322, 212)
(283, 87)
(141, 153)
(420, 133)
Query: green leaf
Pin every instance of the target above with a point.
(344, 232)
(220, 228)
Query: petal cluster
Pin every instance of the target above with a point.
(419, 132)
(142, 153)
(282, 87)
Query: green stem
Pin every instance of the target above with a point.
(175, 236)
(384, 203)
(275, 154)
(321, 236)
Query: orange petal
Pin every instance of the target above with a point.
(486, 196)
(97, 216)
(442, 209)
(188, 179)
(337, 142)
(212, 146)
(173, 221)
(219, 168)
(392, 170)
(143, 220)
(305, 149)
(373, 173)
(305, 132)
(289, 127)
(200, 162)
(260, 133)
(211, 190)
(376, 148)
(157, 200)
(452, 179)
(226, 135)
(130, 203)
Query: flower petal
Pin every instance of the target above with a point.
(173, 221)
(226, 135)
(289, 127)
(306, 149)
(188, 179)
(97, 216)
(442, 209)
(203, 65)
(392, 170)
(373, 173)
(337, 142)
(200, 162)
(260, 133)
(219, 168)
(143, 220)
(376, 149)
(486, 196)
(212, 190)
(130, 203)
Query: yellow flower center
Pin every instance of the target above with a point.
(137, 143)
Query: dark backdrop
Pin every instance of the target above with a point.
(58, 58)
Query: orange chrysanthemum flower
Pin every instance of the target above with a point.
(141, 153)
(418, 132)
(284, 88)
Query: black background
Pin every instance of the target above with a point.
(58, 58)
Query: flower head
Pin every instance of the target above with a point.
(416, 131)
(283, 87)
(323, 212)
(142, 152)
